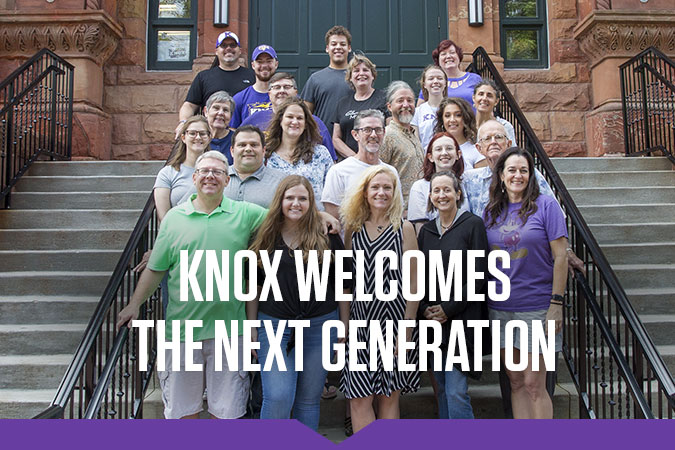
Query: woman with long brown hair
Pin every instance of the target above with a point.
(294, 145)
(457, 118)
(293, 226)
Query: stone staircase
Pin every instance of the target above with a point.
(58, 246)
(629, 204)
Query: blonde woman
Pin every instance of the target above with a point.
(372, 213)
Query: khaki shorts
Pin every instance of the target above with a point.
(182, 391)
(527, 316)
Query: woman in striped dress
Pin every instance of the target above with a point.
(372, 214)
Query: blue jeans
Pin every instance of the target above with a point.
(453, 397)
(290, 390)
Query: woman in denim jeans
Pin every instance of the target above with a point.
(293, 227)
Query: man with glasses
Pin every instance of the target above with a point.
(256, 98)
(368, 132)
(228, 76)
(208, 221)
(282, 86)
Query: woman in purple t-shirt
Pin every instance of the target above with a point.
(531, 228)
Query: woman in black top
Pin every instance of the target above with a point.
(463, 231)
(293, 226)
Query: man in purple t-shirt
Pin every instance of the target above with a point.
(282, 86)
(256, 98)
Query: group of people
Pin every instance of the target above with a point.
(434, 172)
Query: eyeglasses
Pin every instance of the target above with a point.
(369, 130)
(230, 45)
(215, 172)
(278, 87)
(194, 133)
(495, 137)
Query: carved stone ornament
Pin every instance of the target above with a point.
(88, 34)
(624, 34)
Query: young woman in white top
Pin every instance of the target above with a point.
(456, 116)
(434, 86)
(485, 98)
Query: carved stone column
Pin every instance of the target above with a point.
(609, 38)
(87, 39)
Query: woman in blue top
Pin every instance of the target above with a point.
(293, 145)
(448, 56)
(532, 229)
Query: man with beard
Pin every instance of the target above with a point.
(282, 86)
(228, 75)
(369, 133)
(401, 146)
(256, 98)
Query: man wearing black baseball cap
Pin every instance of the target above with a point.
(256, 98)
(227, 76)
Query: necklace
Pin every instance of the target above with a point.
(380, 228)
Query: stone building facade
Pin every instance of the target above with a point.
(122, 110)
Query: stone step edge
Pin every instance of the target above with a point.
(48, 299)
(83, 210)
(38, 360)
(641, 172)
(618, 267)
(57, 252)
(48, 273)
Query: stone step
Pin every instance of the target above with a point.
(633, 233)
(80, 200)
(65, 218)
(46, 309)
(88, 168)
(105, 183)
(53, 283)
(33, 371)
(625, 195)
(619, 179)
(612, 214)
(611, 164)
(74, 238)
(660, 326)
(644, 253)
(77, 260)
(41, 339)
(645, 275)
(652, 300)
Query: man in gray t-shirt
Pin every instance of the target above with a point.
(327, 86)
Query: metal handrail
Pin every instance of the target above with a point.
(648, 104)
(613, 301)
(84, 384)
(36, 116)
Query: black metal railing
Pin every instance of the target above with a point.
(103, 379)
(36, 116)
(648, 100)
(614, 363)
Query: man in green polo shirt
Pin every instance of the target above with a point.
(209, 221)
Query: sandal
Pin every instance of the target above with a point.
(329, 392)
(348, 426)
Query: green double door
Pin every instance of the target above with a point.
(397, 35)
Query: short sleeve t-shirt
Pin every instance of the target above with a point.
(178, 182)
(347, 109)
(470, 155)
(216, 79)
(344, 175)
(291, 307)
(228, 227)
(462, 87)
(324, 89)
(223, 145)
(262, 119)
(531, 271)
(425, 121)
(248, 102)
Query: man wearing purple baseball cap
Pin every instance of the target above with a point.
(228, 75)
(256, 98)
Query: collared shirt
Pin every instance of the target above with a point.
(258, 188)
(228, 227)
(476, 186)
(402, 149)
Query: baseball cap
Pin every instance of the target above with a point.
(263, 49)
(227, 34)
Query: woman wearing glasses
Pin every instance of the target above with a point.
(360, 76)
(293, 145)
(485, 99)
(456, 116)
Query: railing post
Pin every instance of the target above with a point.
(52, 119)
(9, 153)
(645, 106)
(582, 342)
